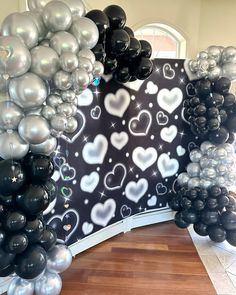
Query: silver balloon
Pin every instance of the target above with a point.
(214, 74)
(193, 66)
(59, 123)
(68, 96)
(35, 111)
(86, 32)
(19, 286)
(65, 109)
(48, 284)
(220, 153)
(98, 69)
(228, 55)
(211, 152)
(37, 5)
(85, 63)
(206, 183)
(72, 125)
(38, 21)
(214, 52)
(183, 179)
(12, 146)
(205, 146)
(20, 25)
(193, 169)
(63, 80)
(203, 65)
(209, 173)
(54, 100)
(212, 162)
(220, 181)
(76, 6)
(87, 53)
(74, 109)
(80, 79)
(10, 115)
(69, 62)
(15, 58)
(34, 129)
(45, 148)
(193, 182)
(28, 91)
(63, 42)
(45, 43)
(229, 148)
(57, 16)
(4, 83)
(48, 112)
(221, 169)
(59, 259)
(202, 55)
(195, 155)
(212, 63)
(45, 62)
(229, 71)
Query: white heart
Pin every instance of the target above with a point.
(119, 140)
(133, 123)
(95, 152)
(89, 182)
(134, 191)
(167, 167)
(87, 228)
(144, 158)
(168, 134)
(152, 201)
(117, 104)
(101, 214)
(85, 98)
(169, 100)
(180, 150)
(151, 88)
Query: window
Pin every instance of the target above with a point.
(166, 41)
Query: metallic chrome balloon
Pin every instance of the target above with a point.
(214, 52)
(57, 16)
(212, 63)
(183, 179)
(98, 69)
(72, 125)
(20, 25)
(87, 53)
(69, 62)
(45, 148)
(59, 123)
(59, 259)
(193, 169)
(38, 21)
(45, 62)
(76, 6)
(19, 286)
(15, 58)
(63, 80)
(202, 55)
(193, 182)
(228, 70)
(48, 284)
(80, 79)
(68, 96)
(65, 109)
(86, 32)
(85, 63)
(193, 66)
(10, 115)
(220, 181)
(209, 172)
(48, 112)
(214, 74)
(206, 183)
(28, 91)
(45, 43)
(63, 42)
(54, 100)
(229, 148)
(221, 169)
(4, 83)
(37, 5)
(228, 55)
(35, 111)
(34, 129)
(12, 146)
(74, 109)
(195, 155)
(203, 65)
(205, 146)
(220, 153)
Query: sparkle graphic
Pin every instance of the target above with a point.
(131, 169)
(85, 138)
(97, 93)
(14, 179)
(160, 147)
(157, 70)
(113, 125)
(181, 81)
(154, 173)
(102, 194)
(181, 133)
(138, 106)
(140, 208)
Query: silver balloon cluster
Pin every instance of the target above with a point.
(213, 63)
(48, 283)
(211, 165)
(45, 62)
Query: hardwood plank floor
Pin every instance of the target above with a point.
(157, 260)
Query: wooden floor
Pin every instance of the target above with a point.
(153, 260)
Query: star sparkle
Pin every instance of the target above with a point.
(113, 125)
(138, 106)
(97, 93)
(102, 194)
(14, 179)
(85, 138)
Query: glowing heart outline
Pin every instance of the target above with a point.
(138, 119)
(127, 208)
(162, 114)
(113, 173)
(167, 67)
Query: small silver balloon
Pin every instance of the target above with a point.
(195, 155)
(98, 69)
(85, 63)
(221, 169)
(54, 100)
(38, 21)
(12, 146)
(34, 129)
(205, 146)
(193, 169)
(229, 148)
(228, 55)
(59, 123)
(69, 61)
(212, 162)
(37, 5)
(19, 286)
(183, 179)
(214, 52)
(34, 111)
(209, 173)
(48, 284)
(10, 115)
(45, 148)
(229, 71)
(72, 125)
(211, 152)
(194, 182)
(87, 53)
(77, 8)
(63, 80)
(4, 83)
(48, 112)
(63, 42)
(220, 181)
(68, 96)
(57, 16)
(203, 65)
(65, 109)
(193, 65)
(74, 109)
(212, 63)
(59, 259)
(45, 62)
(202, 55)
(80, 79)
(220, 153)
(206, 183)
(214, 74)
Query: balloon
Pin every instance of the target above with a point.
(5, 259)
(12, 177)
(86, 64)
(205, 146)
(193, 182)
(146, 49)
(59, 259)
(34, 230)
(20, 25)
(16, 243)
(68, 96)
(183, 179)
(198, 205)
(10, 115)
(214, 73)
(45, 62)
(86, 32)
(219, 136)
(200, 228)
(54, 100)
(98, 69)
(15, 57)
(14, 221)
(229, 70)
(57, 16)
(59, 123)
(28, 91)
(118, 42)
(48, 284)
(229, 100)
(37, 5)
(38, 21)
(64, 42)
(231, 237)
(62, 80)
(193, 169)
(203, 88)
(195, 155)
(100, 53)
(134, 49)
(179, 220)
(144, 68)
(46, 148)
(228, 55)
(19, 286)
(231, 124)
(232, 204)
(129, 31)
(212, 203)
(174, 204)
(34, 129)
(72, 125)
(69, 61)
(116, 16)
(65, 109)
(190, 216)
(122, 74)
(51, 188)
(2, 235)
(110, 66)
(31, 263)
(48, 238)
(48, 112)
(214, 53)
(80, 79)
(100, 19)
(7, 271)
(228, 220)
(77, 8)
(216, 233)
(87, 53)
(209, 217)
(222, 85)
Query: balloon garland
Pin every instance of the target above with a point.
(48, 57)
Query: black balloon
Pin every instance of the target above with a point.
(118, 42)
(179, 221)
(198, 205)
(5, 258)
(129, 31)
(2, 236)
(116, 16)
(231, 237)
(8, 270)
(99, 53)
(215, 191)
(190, 216)
(212, 203)
(144, 68)
(48, 238)
(185, 203)
(110, 66)
(228, 220)
(174, 204)
(16, 243)
(213, 112)
(229, 100)
(34, 230)
(146, 49)
(7, 201)
(232, 204)
(231, 123)
(200, 228)
(219, 136)
(231, 138)
(134, 49)
(100, 19)
(52, 189)
(203, 88)
(216, 233)
(209, 217)
(14, 221)
(122, 74)
(222, 85)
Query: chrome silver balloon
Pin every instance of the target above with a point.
(212, 63)
(209, 172)
(72, 125)
(12, 146)
(206, 183)
(214, 52)
(19, 286)
(221, 169)
(214, 74)
(59, 123)
(34, 111)
(63, 42)
(220, 181)
(48, 112)
(183, 179)
(65, 109)
(69, 62)
(202, 55)
(59, 259)
(228, 55)
(28, 91)
(54, 100)
(228, 70)
(85, 63)
(37, 5)
(45, 62)
(194, 182)
(34, 129)
(193, 65)
(63, 80)
(229, 148)
(20, 25)
(205, 146)
(48, 284)
(220, 153)
(10, 115)
(77, 8)
(45, 148)
(74, 109)
(38, 21)
(80, 79)
(57, 16)
(87, 53)
(195, 155)
(4, 83)
(68, 96)
(15, 58)
(45, 43)
(98, 69)
(193, 169)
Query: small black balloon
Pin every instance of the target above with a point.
(231, 123)
(52, 189)
(200, 110)
(216, 233)
(185, 203)
(195, 101)
(209, 217)
(203, 88)
(229, 100)
(213, 112)
(100, 19)
(200, 228)
(7, 271)
(213, 124)
(192, 194)
(200, 121)
(146, 49)
(198, 205)
(16, 243)
(5, 258)
(110, 66)
(144, 68)
(134, 49)
(190, 216)
(48, 238)
(231, 237)
(34, 230)
(232, 204)
(122, 74)
(228, 220)
(179, 221)
(99, 53)
(215, 191)
(116, 16)
(174, 203)
(223, 115)
(222, 85)
(14, 221)
(223, 201)
(203, 194)
(219, 136)
(129, 31)
(8, 201)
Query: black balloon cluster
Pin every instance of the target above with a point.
(212, 212)
(212, 112)
(26, 190)
(123, 56)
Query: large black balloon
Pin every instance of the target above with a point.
(118, 42)
(200, 228)
(219, 136)
(228, 220)
(5, 258)
(8, 270)
(129, 31)
(116, 16)
(34, 230)
(209, 217)
(99, 53)
(13, 221)
(122, 74)
(222, 85)
(216, 233)
(52, 189)
(146, 49)
(33, 200)
(16, 243)
(231, 237)
(48, 238)
(179, 221)
(8, 201)
(12, 177)
(100, 19)
(110, 66)
(134, 49)
(190, 216)
(203, 88)
(31, 263)
(144, 68)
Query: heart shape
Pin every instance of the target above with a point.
(67, 227)
(101, 214)
(85, 98)
(134, 191)
(114, 180)
(67, 172)
(89, 182)
(162, 119)
(161, 189)
(169, 100)
(151, 88)
(117, 104)
(119, 140)
(168, 72)
(167, 167)
(140, 125)
(152, 201)
(190, 89)
(59, 161)
(144, 158)
(87, 228)
(168, 134)
(180, 150)
(95, 113)
(66, 192)
(95, 152)
(125, 211)
(191, 146)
